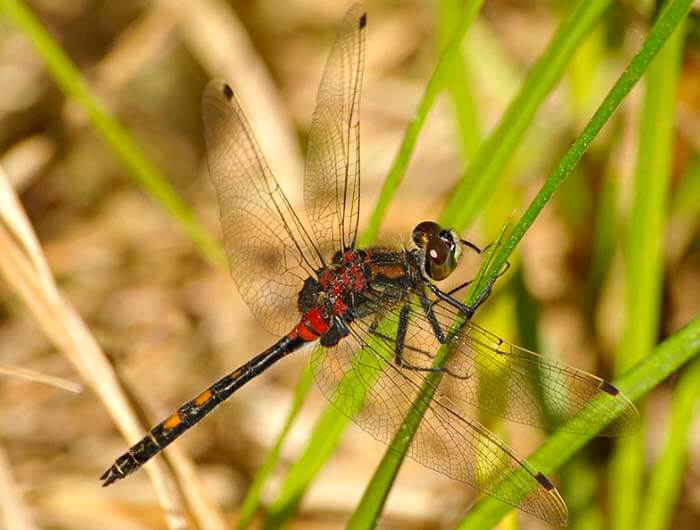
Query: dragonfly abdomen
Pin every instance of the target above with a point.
(194, 410)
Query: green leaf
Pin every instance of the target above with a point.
(665, 25)
(331, 424)
(403, 156)
(477, 185)
(667, 475)
(459, 83)
(667, 358)
(143, 172)
(252, 499)
(644, 262)
(377, 490)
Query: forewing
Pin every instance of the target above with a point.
(332, 173)
(366, 385)
(500, 378)
(269, 252)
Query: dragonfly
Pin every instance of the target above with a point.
(378, 312)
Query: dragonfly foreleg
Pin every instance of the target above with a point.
(400, 346)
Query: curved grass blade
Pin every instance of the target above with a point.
(252, 499)
(477, 185)
(143, 172)
(403, 156)
(459, 83)
(370, 506)
(644, 263)
(659, 34)
(667, 476)
(667, 358)
(331, 424)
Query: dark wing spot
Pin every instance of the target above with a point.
(544, 481)
(228, 91)
(609, 388)
(363, 20)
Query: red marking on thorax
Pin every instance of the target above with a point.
(311, 327)
(339, 307)
(325, 279)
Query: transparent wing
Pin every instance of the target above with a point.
(367, 386)
(332, 173)
(269, 251)
(487, 372)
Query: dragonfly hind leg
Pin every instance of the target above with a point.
(399, 346)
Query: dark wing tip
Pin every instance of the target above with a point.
(609, 388)
(363, 20)
(544, 481)
(228, 91)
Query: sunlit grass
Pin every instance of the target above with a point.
(644, 261)
(331, 424)
(667, 358)
(138, 167)
(487, 169)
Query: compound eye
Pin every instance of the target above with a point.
(437, 251)
(424, 232)
(440, 259)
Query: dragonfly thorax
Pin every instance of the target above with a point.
(441, 249)
(336, 286)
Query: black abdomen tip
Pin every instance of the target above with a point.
(609, 388)
(544, 481)
(363, 20)
(228, 91)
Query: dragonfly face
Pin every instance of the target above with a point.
(441, 248)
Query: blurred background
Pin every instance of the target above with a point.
(171, 323)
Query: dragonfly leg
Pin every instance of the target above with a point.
(455, 289)
(430, 314)
(399, 345)
(481, 251)
(473, 246)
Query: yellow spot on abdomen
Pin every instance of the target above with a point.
(173, 421)
(202, 398)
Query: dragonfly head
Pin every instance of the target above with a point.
(442, 249)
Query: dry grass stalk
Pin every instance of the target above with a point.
(38, 377)
(13, 510)
(26, 272)
(217, 38)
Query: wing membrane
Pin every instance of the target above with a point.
(491, 374)
(269, 251)
(365, 384)
(332, 172)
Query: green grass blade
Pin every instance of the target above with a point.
(605, 238)
(667, 476)
(377, 490)
(459, 84)
(252, 499)
(331, 424)
(318, 450)
(370, 507)
(644, 262)
(481, 178)
(668, 357)
(143, 172)
(667, 22)
(403, 156)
